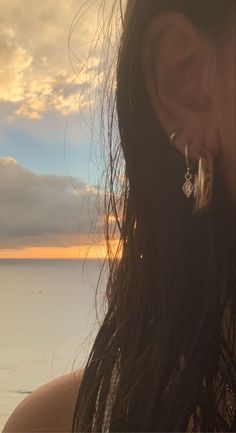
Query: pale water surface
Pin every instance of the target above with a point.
(47, 323)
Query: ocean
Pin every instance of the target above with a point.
(48, 322)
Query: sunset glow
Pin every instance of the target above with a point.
(49, 189)
(68, 253)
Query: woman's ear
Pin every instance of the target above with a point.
(177, 66)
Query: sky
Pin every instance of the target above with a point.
(50, 161)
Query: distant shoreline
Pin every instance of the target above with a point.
(52, 260)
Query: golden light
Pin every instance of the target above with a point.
(86, 251)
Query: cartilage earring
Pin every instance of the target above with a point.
(188, 186)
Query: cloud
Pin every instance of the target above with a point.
(14, 62)
(45, 210)
(36, 75)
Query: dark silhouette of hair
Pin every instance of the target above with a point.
(173, 287)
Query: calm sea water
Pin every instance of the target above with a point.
(48, 323)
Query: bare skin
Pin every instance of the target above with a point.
(49, 408)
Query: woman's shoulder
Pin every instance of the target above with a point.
(48, 408)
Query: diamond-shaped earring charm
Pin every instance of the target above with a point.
(188, 188)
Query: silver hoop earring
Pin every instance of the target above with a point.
(174, 134)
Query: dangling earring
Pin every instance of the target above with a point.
(188, 186)
(204, 184)
(203, 180)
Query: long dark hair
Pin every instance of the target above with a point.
(173, 288)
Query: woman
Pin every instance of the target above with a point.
(164, 358)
